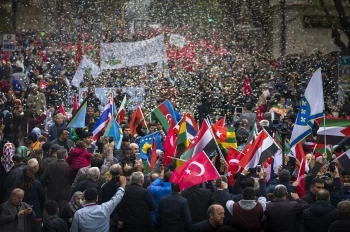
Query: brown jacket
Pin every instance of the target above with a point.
(55, 178)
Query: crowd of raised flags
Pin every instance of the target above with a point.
(193, 146)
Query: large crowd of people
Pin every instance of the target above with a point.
(55, 178)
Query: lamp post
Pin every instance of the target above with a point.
(283, 26)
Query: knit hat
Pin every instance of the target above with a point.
(56, 147)
(90, 194)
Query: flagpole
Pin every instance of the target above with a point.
(324, 128)
(212, 133)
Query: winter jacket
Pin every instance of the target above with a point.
(318, 217)
(247, 214)
(55, 224)
(159, 189)
(78, 158)
(341, 225)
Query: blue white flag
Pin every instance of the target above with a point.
(311, 108)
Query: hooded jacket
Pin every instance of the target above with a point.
(247, 214)
(318, 217)
(78, 158)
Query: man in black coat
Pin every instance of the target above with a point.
(343, 222)
(173, 213)
(199, 199)
(136, 206)
(283, 215)
(320, 215)
(216, 214)
(55, 178)
(317, 184)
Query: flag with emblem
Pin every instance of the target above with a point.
(166, 115)
(195, 171)
(204, 141)
(188, 130)
(299, 154)
(169, 146)
(263, 147)
(145, 143)
(311, 108)
(233, 156)
(225, 136)
(221, 122)
(136, 119)
(337, 132)
(344, 161)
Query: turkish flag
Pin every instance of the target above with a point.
(136, 118)
(75, 102)
(232, 158)
(169, 146)
(62, 110)
(195, 171)
(304, 168)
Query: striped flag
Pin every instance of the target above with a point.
(337, 132)
(225, 136)
(262, 148)
(204, 141)
(188, 130)
(344, 161)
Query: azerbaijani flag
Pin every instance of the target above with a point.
(166, 114)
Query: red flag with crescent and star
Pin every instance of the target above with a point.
(195, 171)
(232, 158)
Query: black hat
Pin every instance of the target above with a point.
(90, 194)
(56, 147)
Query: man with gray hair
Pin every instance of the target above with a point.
(134, 147)
(55, 128)
(280, 209)
(135, 207)
(33, 162)
(16, 215)
(93, 175)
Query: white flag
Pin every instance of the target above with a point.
(86, 67)
(311, 108)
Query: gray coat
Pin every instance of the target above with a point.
(250, 116)
(9, 222)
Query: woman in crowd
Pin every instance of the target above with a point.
(34, 195)
(73, 205)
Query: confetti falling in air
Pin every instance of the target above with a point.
(211, 47)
